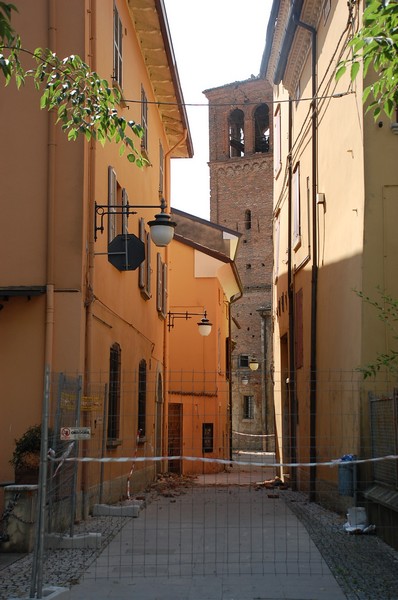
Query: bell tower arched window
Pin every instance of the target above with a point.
(261, 128)
(236, 133)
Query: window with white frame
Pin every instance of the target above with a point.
(144, 120)
(144, 274)
(296, 241)
(277, 141)
(161, 286)
(117, 47)
(248, 407)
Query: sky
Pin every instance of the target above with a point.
(215, 42)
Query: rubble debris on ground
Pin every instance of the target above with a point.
(170, 485)
(272, 484)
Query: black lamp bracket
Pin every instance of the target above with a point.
(101, 210)
(182, 315)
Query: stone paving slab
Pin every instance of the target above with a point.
(212, 543)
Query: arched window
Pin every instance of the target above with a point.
(261, 128)
(236, 133)
(248, 219)
(142, 398)
(114, 392)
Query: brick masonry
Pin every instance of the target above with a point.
(241, 183)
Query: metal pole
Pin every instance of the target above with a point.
(37, 565)
(103, 449)
(76, 464)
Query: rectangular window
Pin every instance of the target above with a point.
(161, 286)
(248, 407)
(326, 10)
(144, 276)
(114, 392)
(299, 342)
(117, 47)
(277, 141)
(243, 360)
(142, 385)
(207, 437)
(296, 241)
(144, 120)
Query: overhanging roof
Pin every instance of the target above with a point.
(152, 28)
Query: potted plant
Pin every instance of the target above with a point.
(26, 456)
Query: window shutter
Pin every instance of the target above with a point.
(148, 264)
(112, 192)
(159, 294)
(125, 201)
(164, 289)
(142, 267)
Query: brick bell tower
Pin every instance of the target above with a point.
(241, 185)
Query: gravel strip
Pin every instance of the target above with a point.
(61, 567)
(365, 566)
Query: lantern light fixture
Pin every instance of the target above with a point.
(162, 227)
(253, 363)
(204, 324)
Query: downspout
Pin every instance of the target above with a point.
(36, 586)
(89, 283)
(232, 300)
(292, 336)
(51, 141)
(314, 275)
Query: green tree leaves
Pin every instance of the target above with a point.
(375, 46)
(84, 103)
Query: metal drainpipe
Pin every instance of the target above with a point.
(36, 586)
(51, 142)
(290, 284)
(89, 291)
(314, 275)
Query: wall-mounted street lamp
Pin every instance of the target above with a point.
(204, 324)
(253, 363)
(126, 251)
(162, 227)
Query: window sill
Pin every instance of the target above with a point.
(297, 243)
(141, 440)
(113, 443)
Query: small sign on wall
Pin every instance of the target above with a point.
(75, 433)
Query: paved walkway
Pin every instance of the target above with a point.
(218, 537)
(227, 541)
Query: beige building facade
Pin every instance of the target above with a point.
(72, 302)
(199, 367)
(335, 202)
